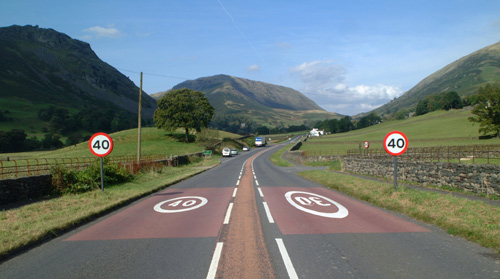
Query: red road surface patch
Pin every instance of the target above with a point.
(361, 218)
(142, 221)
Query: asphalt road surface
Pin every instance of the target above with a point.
(250, 219)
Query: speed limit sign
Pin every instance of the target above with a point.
(395, 143)
(101, 144)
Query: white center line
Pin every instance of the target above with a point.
(268, 213)
(260, 192)
(228, 214)
(286, 259)
(215, 261)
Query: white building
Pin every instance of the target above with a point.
(316, 133)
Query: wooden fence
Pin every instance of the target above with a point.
(13, 168)
(469, 154)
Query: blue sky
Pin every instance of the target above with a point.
(347, 56)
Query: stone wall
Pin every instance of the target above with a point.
(469, 177)
(13, 190)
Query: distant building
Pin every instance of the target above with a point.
(316, 133)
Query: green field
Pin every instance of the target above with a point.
(153, 142)
(439, 128)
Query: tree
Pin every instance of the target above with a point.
(183, 108)
(368, 120)
(487, 109)
(451, 100)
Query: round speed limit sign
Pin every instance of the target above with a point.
(101, 144)
(395, 143)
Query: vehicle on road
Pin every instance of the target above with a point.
(260, 141)
(246, 148)
(226, 152)
(234, 151)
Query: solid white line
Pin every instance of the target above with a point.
(215, 261)
(260, 192)
(234, 192)
(286, 259)
(268, 213)
(228, 214)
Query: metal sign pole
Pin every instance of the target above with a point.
(102, 176)
(395, 172)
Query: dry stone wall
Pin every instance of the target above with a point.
(474, 178)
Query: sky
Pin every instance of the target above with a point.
(349, 56)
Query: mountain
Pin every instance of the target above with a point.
(463, 76)
(41, 67)
(263, 103)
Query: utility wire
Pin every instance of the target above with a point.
(149, 74)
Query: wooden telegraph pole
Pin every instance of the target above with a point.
(139, 126)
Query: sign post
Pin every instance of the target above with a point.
(101, 145)
(395, 143)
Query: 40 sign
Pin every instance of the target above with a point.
(101, 144)
(395, 143)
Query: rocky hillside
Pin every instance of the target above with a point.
(42, 67)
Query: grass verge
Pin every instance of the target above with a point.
(277, 159)
(35, 222)
(474, 220)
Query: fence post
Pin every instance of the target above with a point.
(474, 154)
(488, 155)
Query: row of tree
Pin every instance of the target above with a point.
(16, 140)
(347, 124)
(444, 100)
(60, 121)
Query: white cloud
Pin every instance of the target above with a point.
(253, 68)
(104, 32)
(324, 82)
(283, 45)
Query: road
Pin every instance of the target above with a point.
(250, 219)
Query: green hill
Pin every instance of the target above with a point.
(463, 76)
(42, 67)
(262, 103)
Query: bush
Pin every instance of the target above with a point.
(69, 181)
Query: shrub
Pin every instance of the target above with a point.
(69, 181)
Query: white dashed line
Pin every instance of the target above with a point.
(228, 214)
(286, 259)
(268, 213)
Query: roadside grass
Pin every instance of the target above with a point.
(37, 221)
(474, 220)
(277, 159)
(332, 165)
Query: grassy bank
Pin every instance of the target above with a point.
(31, 223)
(474, 220)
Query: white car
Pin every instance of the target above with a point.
(226, 152)
(245, 148)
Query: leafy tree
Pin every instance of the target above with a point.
(422, 107)
(487, 109)
(345, 124)
(183, 108)
(262, 130)
(368, 120)
(451, 100)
